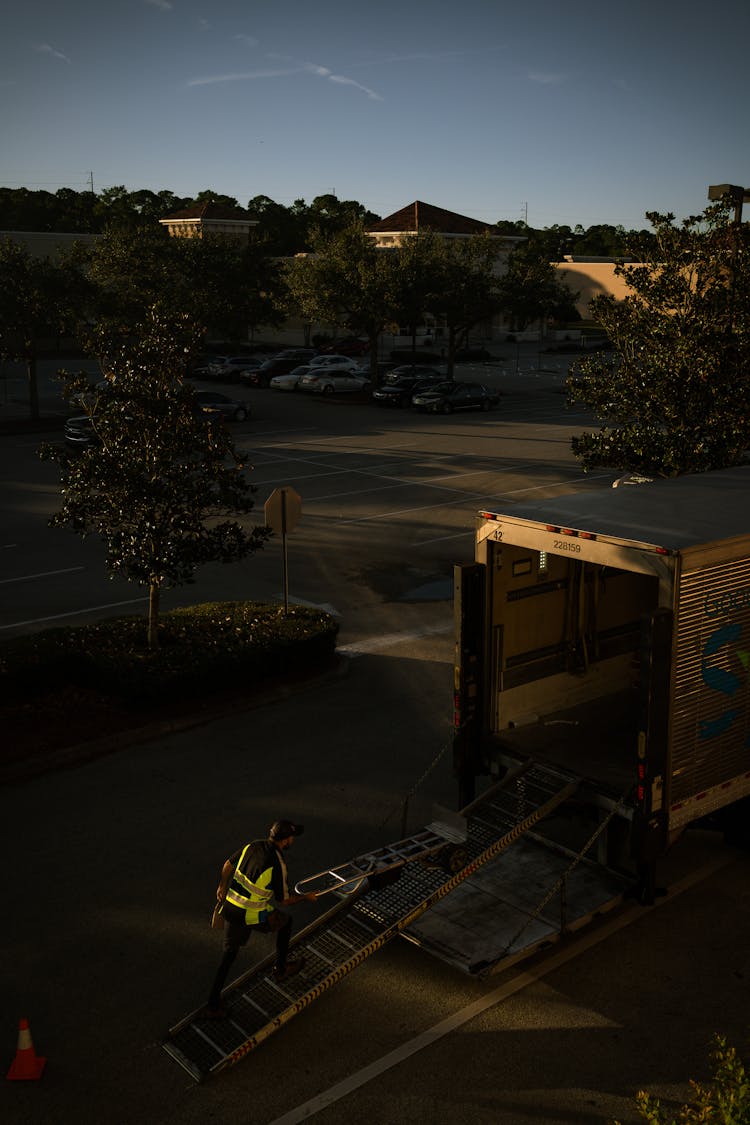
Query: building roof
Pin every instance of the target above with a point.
(423, 216)
(209, 211)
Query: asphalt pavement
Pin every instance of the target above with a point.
(110, 881)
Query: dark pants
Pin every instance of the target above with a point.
(236, 933)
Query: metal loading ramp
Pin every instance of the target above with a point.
(391, 897)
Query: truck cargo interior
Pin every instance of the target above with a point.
(568, 672)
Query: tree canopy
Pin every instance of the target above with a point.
(673, 395)
(36, 301)
(162, 484)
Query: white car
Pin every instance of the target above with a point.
(336, 363)
(289, 382)
(324, 381)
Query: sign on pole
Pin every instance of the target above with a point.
(282, 511)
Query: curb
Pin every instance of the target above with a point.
(70, 756)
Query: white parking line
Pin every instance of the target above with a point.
(509, 988)
(42, 574)
(73, 613)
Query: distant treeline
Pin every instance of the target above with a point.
(282, 230)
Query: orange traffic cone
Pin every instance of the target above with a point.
(26, 1064)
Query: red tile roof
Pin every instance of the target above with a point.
(423, 216)
(211, 210)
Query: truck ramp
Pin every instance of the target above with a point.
(384, 904)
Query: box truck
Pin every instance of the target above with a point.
(607, 633)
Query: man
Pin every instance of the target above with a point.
(253, 885)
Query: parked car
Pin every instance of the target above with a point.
(414, 371)
(398, 390)
(290, 381)
(231, 368)
(79, 432)
(337, 362)
(447, 397)
(212, 402)
(327, 381)
(202, 366)
(347, 345)
(302, 355)
(262, 376)
(477, 355)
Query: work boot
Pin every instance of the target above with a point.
(289, 970)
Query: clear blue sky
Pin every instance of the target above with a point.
(586, 111)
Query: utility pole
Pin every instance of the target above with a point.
(91, 182)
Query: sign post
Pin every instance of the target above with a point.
(282, 511)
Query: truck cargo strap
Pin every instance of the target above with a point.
(391, 889)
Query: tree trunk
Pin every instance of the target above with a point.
(154, 591)
(33, 386)
(451, 359)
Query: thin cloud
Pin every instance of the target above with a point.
(545, 78)
(426, 56)
(248, 40)
(242, 76)
(285, 72)
(342, 81)
(46, 49)
(162, 5)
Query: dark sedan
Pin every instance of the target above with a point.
(447, 397)
(400, 391)
(212, 402)
(265, 373)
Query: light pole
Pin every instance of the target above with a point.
(731, 193)
(736, 195)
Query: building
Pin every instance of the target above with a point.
(418, 217)
(209, 217)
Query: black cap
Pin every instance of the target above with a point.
(282, 829)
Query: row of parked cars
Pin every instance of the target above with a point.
(408, 385)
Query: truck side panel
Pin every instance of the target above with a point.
(710, 740)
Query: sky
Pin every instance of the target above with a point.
(552, 112)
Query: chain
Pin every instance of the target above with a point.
(403, 807)
(572, 866)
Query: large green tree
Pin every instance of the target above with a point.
(36, 306)
(348, 283)
(162, 485)
(531, 290)
(468, 289)
(673, 396)
(220, 285)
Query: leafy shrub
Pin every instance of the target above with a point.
(724, 1101)
(202, 648)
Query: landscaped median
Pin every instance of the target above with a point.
(100, 685)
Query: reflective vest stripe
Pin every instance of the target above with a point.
(251, 897)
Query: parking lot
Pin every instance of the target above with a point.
(128, 847)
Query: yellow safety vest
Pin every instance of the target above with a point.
(255, 898)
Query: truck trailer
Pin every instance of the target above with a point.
(607, 633)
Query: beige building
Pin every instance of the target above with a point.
(209, 218)
(591, 277)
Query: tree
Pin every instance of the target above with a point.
(531, 290)
(673, 395)
(35, 303)
(468, 288)
(163, 481)
(217, 282)
(348, 282)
